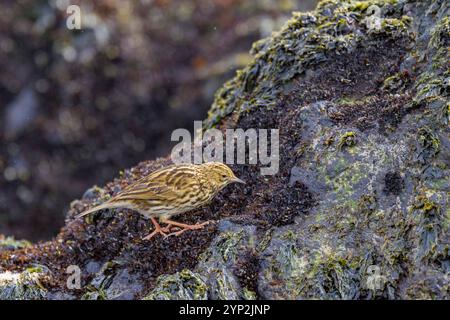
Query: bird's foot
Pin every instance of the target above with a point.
(184, 227)
(155, 232)
(158, 230)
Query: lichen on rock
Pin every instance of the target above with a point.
(25, 285)
(9, 243)
(184, 285)
(360, 206)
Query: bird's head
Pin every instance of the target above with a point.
(220, 175)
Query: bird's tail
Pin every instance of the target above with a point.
(106, 205)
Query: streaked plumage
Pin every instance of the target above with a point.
(171, 191)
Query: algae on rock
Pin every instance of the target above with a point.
(360, 207)
(22, 286)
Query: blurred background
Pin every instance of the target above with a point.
(77, 106)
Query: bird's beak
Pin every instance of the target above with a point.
(238, 180)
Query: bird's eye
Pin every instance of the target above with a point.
(224, 176)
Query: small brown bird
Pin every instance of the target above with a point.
(171, 191)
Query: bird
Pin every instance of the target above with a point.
(171, 191)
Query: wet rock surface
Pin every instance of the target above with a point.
(359, 208)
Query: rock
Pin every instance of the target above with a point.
(124, 286)
(60, 296)
(93, 267)
(359, 208)
(9, 243)
(184, 285)
(221, 262)
(92, 193)
(112, 283)
(215, 275)
(22, 286)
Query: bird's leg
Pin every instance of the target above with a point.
(184, 227)
(158, 229)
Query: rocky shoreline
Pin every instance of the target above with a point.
(359, 209)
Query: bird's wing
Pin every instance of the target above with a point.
(143, 191)
(135, 191)
(154, 187)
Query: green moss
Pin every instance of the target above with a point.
(346, 222)
(227, 245)
(441, 32)
(363, 5)
(289, 235)
(423, 203)
(446, 112)
(184, 285)
(396, 82)
(94, 293)
(341, 164)
(367, 204)
(22, 286)
(360, 6)
(428, 90)
(396, 28)
(332, 273)
(223, 285)
(288, 264)
(348, 139)
(264, 241)
(11, 243)
(429, 216)
(429, 142)
(432, 86)
(326, 25)
(249, 294)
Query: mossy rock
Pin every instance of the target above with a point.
(22, 286)
(9, 243)
(360, 206)
(184, 285)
